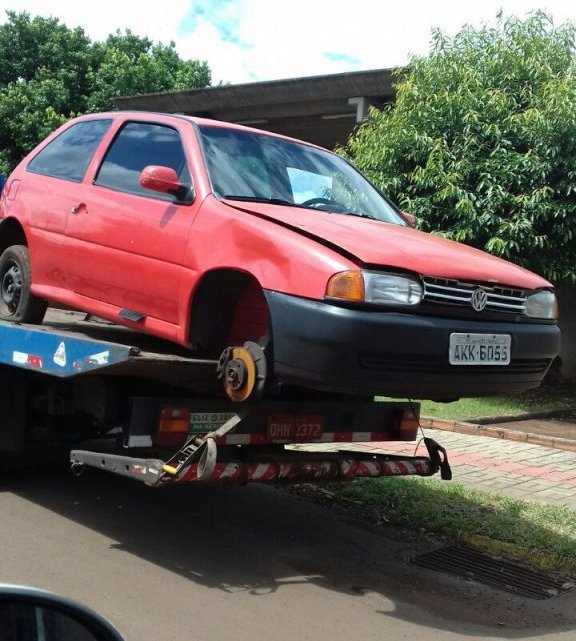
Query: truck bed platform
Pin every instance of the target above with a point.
(69, 344)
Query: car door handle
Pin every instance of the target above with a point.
(76, 209)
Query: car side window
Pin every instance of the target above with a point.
(136, 146)
(69, 154)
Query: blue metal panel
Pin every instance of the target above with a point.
(57, 353)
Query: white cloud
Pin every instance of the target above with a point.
(290, 39)
(102, 17)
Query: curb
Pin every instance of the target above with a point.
(463, 427)
(541, 560)
(523, 416)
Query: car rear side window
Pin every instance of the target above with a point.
(137, 146)
(68, 155)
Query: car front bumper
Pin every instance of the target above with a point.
(357, 351)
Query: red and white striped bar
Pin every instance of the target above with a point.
(300, 471)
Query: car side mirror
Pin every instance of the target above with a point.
(165, 181)
(409, 219)
(27, 613)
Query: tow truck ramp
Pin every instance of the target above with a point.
(182, 426)
(199, 460)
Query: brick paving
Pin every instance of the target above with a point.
(516, 469)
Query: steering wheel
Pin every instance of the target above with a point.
(317, 201)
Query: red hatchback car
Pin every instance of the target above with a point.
(211, 234)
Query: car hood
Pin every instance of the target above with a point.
(376, 243)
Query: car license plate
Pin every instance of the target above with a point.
(292, 428)
(479, 349)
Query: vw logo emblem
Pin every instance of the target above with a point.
(478, 300)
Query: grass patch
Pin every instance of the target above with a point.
(544, 535)
(553, 397)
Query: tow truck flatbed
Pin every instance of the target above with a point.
(73, 379)
(71, 343)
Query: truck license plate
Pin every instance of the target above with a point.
(479, 349)
(294, 428)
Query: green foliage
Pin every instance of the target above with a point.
(50, 73)
(481, 143)
(129, 65)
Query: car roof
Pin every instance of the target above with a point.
(166, 117)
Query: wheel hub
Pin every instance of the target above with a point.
(236, 372)
(11, 286)
(243, 371)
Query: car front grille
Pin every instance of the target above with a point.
(444, 291)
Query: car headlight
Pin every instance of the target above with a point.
(375, 287)
(542, 304)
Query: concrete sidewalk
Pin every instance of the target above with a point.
(516, 469)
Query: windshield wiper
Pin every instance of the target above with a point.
(259, 199)
(280, 201)
(358, 214)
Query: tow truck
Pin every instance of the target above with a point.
(162, 416)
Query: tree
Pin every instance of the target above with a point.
(481, 142)
(50, 73)
(129, 65)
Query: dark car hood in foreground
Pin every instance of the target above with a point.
(396, 246)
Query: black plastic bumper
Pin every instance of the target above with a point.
(357, 351)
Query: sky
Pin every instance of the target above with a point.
(257, 40)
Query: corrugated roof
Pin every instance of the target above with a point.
(377, 83)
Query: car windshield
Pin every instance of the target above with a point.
(249, 166)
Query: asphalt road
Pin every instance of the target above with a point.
(254, 563)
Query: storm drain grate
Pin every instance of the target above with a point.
(497, 573)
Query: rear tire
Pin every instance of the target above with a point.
(17, 303)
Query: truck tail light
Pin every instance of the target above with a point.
(409, 423)
(174, 420)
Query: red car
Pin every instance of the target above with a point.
(212, 234)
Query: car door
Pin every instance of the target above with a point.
(128, 241)
(50, 189)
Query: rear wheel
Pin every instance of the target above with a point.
(17, 303)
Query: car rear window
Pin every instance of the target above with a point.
(69, 155)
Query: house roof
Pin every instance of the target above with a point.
(322, 109)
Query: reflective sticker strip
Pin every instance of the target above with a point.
(330, 437)
(138, 469)
(263, 472)
(21, 358)
(307, 470)
(351, 468)
(402, 468)
(98, 359)
(101, 358)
